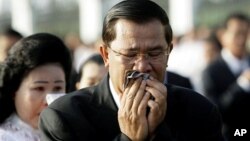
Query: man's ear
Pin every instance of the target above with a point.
(170, 47)
(77, 85)
(104, 52)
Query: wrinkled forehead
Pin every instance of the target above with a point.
(134, 35)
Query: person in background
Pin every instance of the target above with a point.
(212, 44)
(227, 78)
(137, 38)
(35, 66)
(8, 38)
(92, 71)
(187, 58)
(80, 52)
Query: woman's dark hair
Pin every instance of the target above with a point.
(139, 11)
(27, 54)
(10, 32)
(95, 58)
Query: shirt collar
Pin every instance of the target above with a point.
(235, 65)
(114, 94)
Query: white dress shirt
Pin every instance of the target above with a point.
(237, 66)
(114, 94)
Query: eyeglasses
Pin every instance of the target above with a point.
(157, 55)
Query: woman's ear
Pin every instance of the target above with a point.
(170, 47)
(104, 53)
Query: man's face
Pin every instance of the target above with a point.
(235, 37)
(133, 39)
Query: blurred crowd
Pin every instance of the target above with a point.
(217, 62)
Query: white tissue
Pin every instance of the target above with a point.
(53, 96)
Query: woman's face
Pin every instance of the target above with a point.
(92, 73)
(30, 98)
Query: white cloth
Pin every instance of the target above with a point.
(14, 129)
(51, 97)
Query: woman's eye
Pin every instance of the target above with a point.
(57, 89)
(39, 88)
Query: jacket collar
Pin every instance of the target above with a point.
(102, 94)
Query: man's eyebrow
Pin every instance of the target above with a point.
(158, 47)
(131, 49)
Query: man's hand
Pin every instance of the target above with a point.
(158, 105)
(132, 112)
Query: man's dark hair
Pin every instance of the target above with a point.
(26, 55)
(139, 11)
(236, 16)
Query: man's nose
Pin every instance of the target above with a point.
(142, 64)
